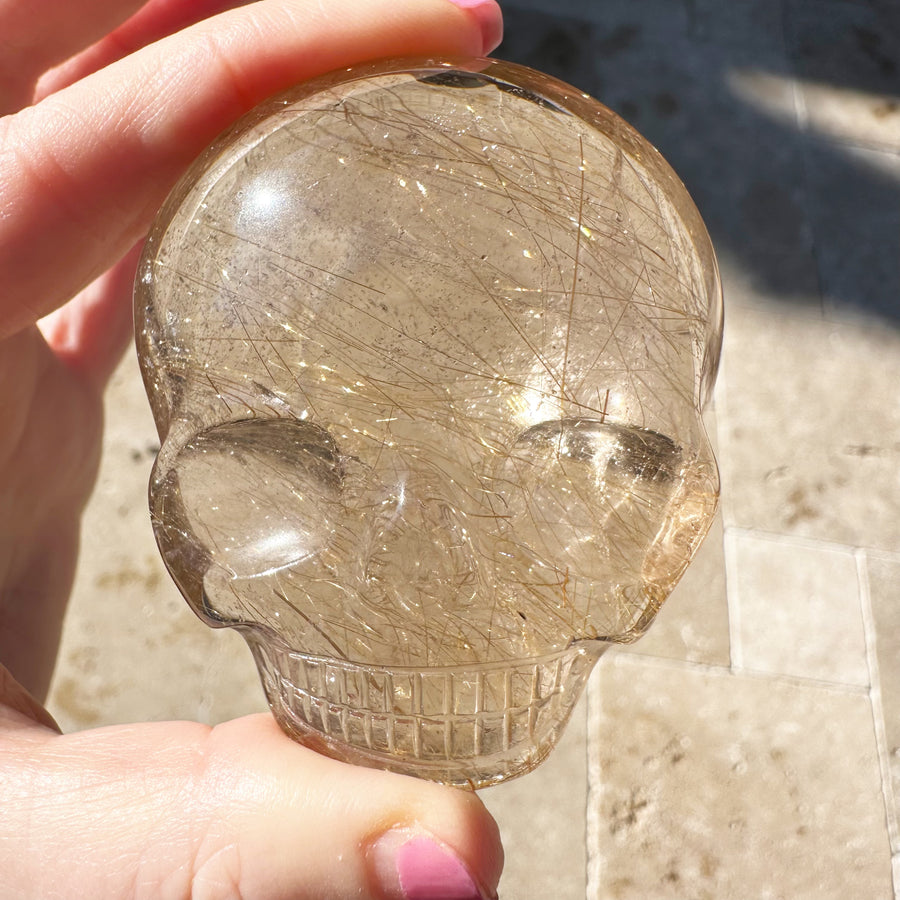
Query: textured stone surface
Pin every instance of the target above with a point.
(721, 787)
(810, 436)
(797, 611)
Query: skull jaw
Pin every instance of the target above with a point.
(469, 722)
(470, 726)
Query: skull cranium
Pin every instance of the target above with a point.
(427, 344)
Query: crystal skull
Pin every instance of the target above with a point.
(427, 344)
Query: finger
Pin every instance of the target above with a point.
(41, 33)
(153, 21)
(175, 810)
(82, 173)
(19, 709)
(90, 333)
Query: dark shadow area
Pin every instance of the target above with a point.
(810, 215)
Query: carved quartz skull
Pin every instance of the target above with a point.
(427, 344)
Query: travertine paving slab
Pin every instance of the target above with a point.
(798, 611)
(722, 787)
(132, 650)
(542, 821)
(810, 434)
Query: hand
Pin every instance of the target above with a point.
(92, 141)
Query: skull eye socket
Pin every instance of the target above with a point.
(560, 468)
(609, 449)
(582, 501)
(588, 491)
(254, 496)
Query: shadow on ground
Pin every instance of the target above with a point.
(809, 213)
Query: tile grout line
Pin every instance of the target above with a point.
(720, 402)
(801, 143)
(593, 864)
(731, 671)
(804, 542)
(732, 601)
(729, 550)
(875, 700)
(801, 112)
(719, 408)
(866, 145)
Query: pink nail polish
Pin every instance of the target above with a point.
(429, 871)
(489, 18)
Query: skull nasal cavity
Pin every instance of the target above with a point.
(258, 494)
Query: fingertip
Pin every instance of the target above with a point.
(448, 846)
(365, 832)
(409, 864)
(489, 17)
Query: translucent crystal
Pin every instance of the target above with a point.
(427, 344)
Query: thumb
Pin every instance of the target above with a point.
(178, 810)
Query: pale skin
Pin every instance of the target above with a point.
(106, 102)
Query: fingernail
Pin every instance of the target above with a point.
(490, 19)
(423, 869)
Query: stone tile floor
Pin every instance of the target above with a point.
(749, 745)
